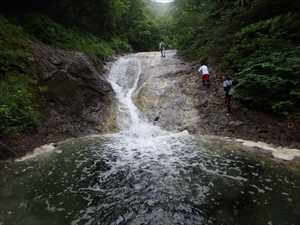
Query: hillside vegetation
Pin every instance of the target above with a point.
(19, 84)
(128, 20)
(255, 41)
(101, 28)
(18, 80)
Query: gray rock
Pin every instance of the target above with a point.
(236, 123)
(78, 95)
(6, 151)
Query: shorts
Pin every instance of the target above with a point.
(205, 77)
(228, 99)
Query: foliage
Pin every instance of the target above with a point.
(51, 33)
(261, 51)
(17, 108)
(139, 27)
(271, 81)
(129, 20)
(15, 51)
(161, 16)
(98, 27)
(256, 39)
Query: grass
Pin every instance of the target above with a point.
(18, 80)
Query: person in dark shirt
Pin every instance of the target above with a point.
(227, 85)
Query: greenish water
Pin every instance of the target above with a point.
(168, 179)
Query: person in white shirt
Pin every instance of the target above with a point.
(162, 48)
(227, 85)
(203, 70)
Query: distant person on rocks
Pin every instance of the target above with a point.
(203, 70)
(228, 89)
(162, 48)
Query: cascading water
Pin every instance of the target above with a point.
(145, 175)
(124, 78)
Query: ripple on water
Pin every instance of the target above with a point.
(174, 181)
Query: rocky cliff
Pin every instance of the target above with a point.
(172, 96)
(76, 99)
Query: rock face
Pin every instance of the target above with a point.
(171, 89)
(6, 151)
(161, 92)
(76, 100)
(78, 96)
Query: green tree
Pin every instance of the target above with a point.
(256, 39)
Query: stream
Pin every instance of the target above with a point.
(146, 175)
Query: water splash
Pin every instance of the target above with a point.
(39, 151)
(124, 77)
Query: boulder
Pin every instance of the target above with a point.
(78, 97)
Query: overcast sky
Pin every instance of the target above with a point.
(164, 1)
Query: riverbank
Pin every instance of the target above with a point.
(75, 100)
(52, 82)
(242, 123)
(174, 93)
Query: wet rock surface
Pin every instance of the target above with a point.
(76, 85)
(173, 91)
(77, 99)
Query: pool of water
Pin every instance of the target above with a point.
(121, 179)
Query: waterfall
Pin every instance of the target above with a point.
(124, 77)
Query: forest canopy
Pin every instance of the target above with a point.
(130, 20)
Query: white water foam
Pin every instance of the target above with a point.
(124, 78)
(277, 152)
(39, 151)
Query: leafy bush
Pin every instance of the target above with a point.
(51, 33)
(17, 109)
(120, 45)
(255, 40)
(15, 50)
(268, 66)
(258, 40)
(19, 88)
(271, 82)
